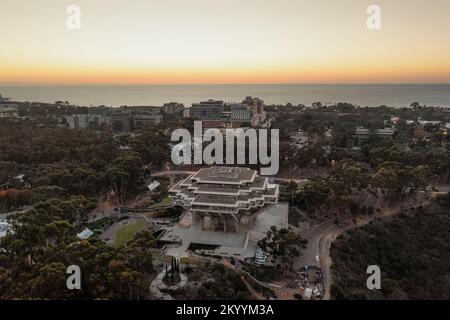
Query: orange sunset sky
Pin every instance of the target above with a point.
(232, 41)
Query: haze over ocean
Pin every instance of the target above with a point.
(372, 95)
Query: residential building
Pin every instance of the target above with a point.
(256, 105)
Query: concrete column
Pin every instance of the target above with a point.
(236, 222)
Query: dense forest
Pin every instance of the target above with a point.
(412, 252)
(55, 161)
(62, 174)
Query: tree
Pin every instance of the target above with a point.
(125, 173)
(283, 244)
(351, 173)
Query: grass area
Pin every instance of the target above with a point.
(127, 233)
(163, 203)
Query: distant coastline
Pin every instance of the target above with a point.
(372, 95)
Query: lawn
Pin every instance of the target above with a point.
(163, 203)
(127, 233)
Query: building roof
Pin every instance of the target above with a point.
(210, 102)
(225, 190)
(225, 175)
(152, 186)
(8, 108)
(85, 234)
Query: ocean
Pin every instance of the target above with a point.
(371, 95)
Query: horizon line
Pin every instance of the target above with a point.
(223, 84)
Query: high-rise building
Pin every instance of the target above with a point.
(256, 105)
(241, 115)
(207, 110)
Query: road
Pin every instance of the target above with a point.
(314, 236)
(171, 173)
(320, 238)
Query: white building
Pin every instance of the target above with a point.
(3, 99)
(85, 234)
(83, 121)
(4, 227)
(9, 111)
(153, 186)
(364, 132)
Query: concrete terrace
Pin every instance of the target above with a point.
(241, 244)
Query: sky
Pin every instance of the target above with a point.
(223, 41)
